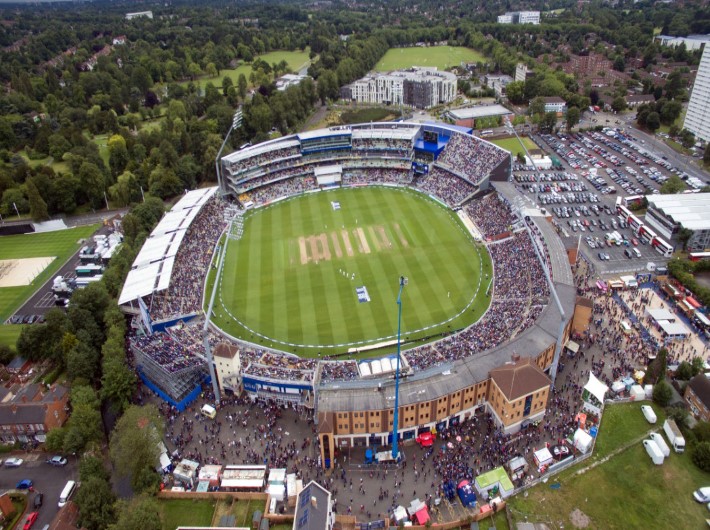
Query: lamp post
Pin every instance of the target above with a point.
(236, 123)
(395, 449)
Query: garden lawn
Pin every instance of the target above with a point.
(442, 57)
(627, 491)
(61, 244)
(185, 512)
(513, 145)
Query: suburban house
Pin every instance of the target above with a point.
(33, 411)
(697, 395)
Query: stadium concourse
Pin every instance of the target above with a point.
(442, 161)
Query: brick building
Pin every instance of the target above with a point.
(32, 412)
(697, 395)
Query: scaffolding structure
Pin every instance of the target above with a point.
(174, 386)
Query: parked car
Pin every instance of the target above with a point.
(24, 484)
(38, 500)
(57, 461)
(702, 494)
(13, 462)
(31, 518)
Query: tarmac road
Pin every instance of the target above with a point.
(47, 479)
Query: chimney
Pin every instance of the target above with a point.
(314, 502)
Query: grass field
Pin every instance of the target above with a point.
(9, 334)
(62, 244)
(442, 57)
(296, 60)
(627, 491)
(185, 512)
(291, 280)
(513, 145)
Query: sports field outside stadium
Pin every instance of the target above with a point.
(442, 57)
(319, 273)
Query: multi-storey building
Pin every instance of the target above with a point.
(520, 17)
(419, 87)
(697, 119)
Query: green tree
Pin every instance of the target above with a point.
(242, 86)
(93, 183)
(702, 431)
(662, 393)
(701, 455)
(117, 153)
(140, 512)
(653, 121)
(572, 117)
(687, 138)
(618, 104)
(706, 154)
(38, 208)
(698, 364)
(673, 185)
(536, 107)
(134, 442)
(96, 504)
(516, 92)
(117, 382)
(91, 466)
(55, 440)
(684, 371)
(619, 63)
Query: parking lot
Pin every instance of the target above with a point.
(47, 479)
(597, 169)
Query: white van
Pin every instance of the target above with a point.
(648, 413)
(67, 492)
(209, 411)
(636, 252)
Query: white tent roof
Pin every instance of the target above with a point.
(660, 314)
(673, 328)
(596, 388)
(582, 440)
(543, 455)
(153, 266)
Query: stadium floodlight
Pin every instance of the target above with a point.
(236, 124)
(403, 280)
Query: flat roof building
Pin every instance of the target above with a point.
(467, 116)
(420, 87)
(669, 213)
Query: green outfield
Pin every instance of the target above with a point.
(291, 280)
(60, 245)
(513, 145)
(443, 57)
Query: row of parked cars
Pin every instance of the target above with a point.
(26, 319)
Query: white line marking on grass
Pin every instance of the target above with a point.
(477, 247)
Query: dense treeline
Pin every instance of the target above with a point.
(67, 79)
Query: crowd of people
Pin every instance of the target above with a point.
(283, 188)
(491, 215)
(262, 159)
(471, 157)
(184, 294)
(377, 175)
(445, 185)
(171, 355)
(278, 373)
